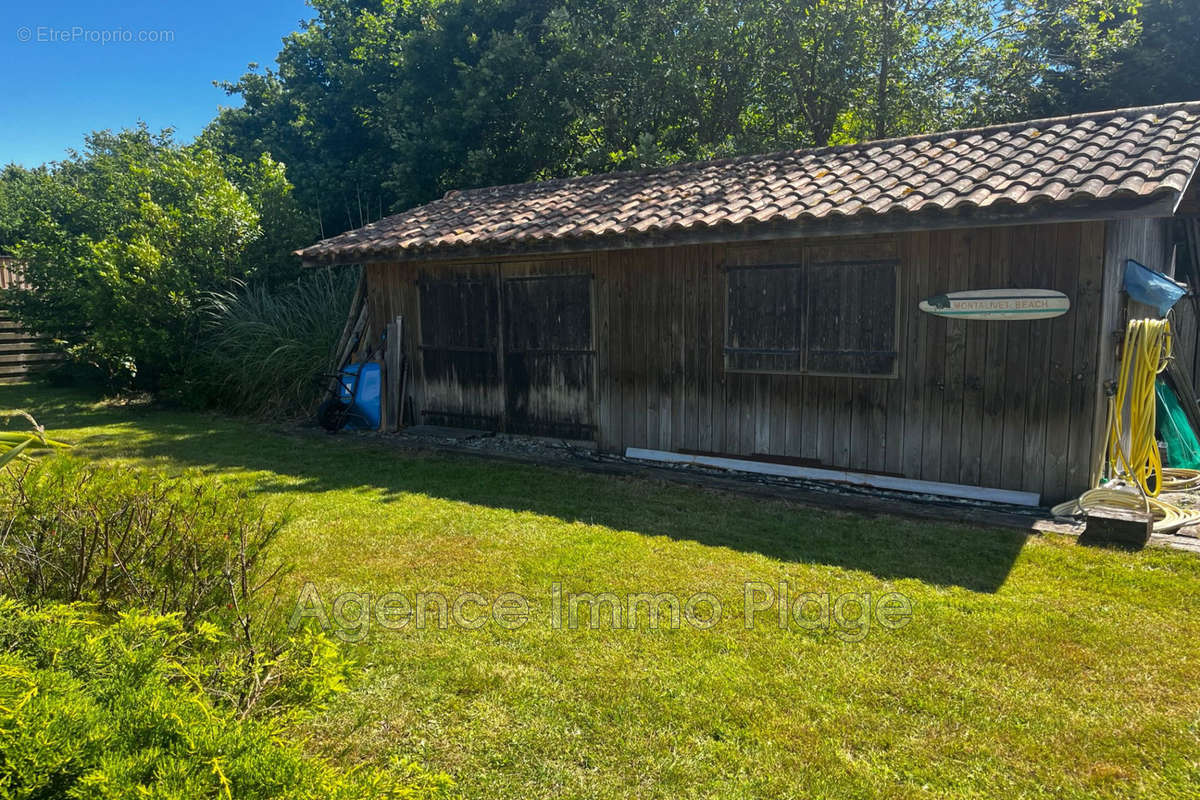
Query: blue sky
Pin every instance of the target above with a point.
(57, 90)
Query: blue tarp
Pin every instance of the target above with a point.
(1152, 288)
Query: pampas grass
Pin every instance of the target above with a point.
(261, 347)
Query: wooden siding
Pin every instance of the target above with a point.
(1147, 241)
(459, 364)
(548, 354)
(1000, 404)
(1185, 324)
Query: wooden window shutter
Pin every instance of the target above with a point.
(852, 318)
(764, 329)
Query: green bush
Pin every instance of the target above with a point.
(115, 711)
(121, 241)
(122, 538)
(103, 699)
(262, 347)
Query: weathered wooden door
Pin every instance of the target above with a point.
(549, 359)
(460, 324)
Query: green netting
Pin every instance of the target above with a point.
(1183, 450)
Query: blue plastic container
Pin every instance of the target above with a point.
(1152, 288)
(363, 379)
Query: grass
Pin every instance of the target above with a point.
(1031, 667)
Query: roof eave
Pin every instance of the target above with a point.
(1160, 204)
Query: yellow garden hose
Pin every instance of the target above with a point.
(1180, 480)
(1167, 516)
(1132, 446)
(1134, 466)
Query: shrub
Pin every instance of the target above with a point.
(262, 347)
(113, 711)
(122, 538)
(120, 241)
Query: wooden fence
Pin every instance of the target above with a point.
(21, 353)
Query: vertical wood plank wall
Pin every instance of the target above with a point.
(1147, 241)
(1185, 324)
(998, 404)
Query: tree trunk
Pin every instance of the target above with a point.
(886, 13)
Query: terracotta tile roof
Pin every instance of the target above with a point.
(1100, 162)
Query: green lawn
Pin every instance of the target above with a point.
(1031, 667)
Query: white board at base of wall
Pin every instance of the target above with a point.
(958, 490)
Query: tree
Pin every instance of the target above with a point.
(382, 105)
(269, 259)
(122, 241)
(655, 82)
(14, 185)
(1159, 66)
(379, 105)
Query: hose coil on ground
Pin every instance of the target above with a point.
(1132, 461)
(1167, 516)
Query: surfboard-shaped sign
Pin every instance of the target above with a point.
(1011, 304)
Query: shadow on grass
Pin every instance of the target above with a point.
(889, 548)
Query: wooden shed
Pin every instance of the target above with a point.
(766, 307)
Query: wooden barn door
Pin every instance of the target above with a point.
(549, 359)
(460, 323)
